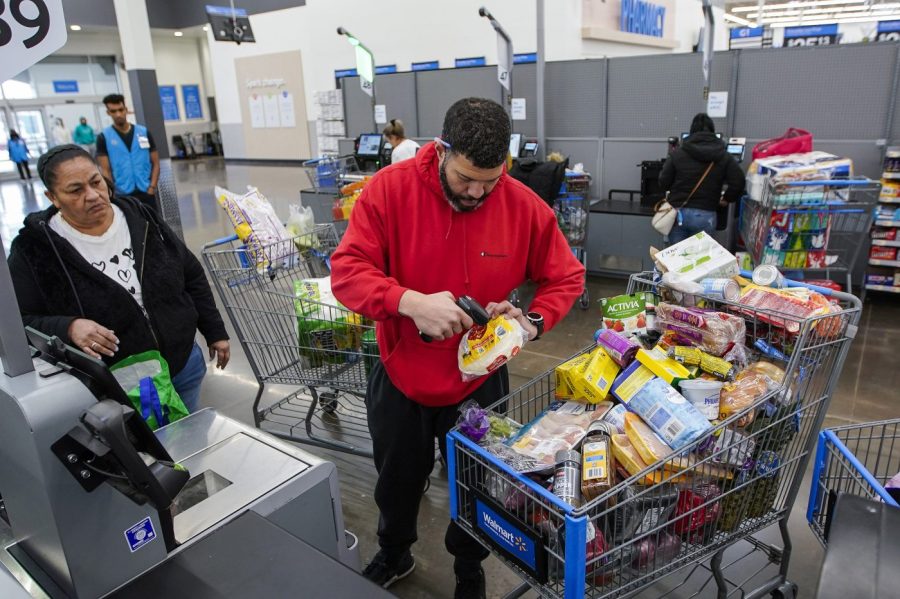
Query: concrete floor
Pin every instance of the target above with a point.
(866, 391)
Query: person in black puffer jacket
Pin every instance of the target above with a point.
(108, 276)
(686, 166)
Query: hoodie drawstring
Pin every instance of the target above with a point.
(43, 225)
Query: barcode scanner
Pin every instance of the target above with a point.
(471, 307)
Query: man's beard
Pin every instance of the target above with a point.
(455, 199)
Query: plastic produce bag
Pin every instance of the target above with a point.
(484, 349)
(146, 380)
(326, 330)
(301, 226)
(485, 427)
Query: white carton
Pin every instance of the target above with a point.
(698, 257)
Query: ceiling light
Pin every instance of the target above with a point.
(738, 20)
(75, 27)
(811, 4)
(179, 33)
(795, 23)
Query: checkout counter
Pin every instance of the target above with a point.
(98, 505)
(619, 231)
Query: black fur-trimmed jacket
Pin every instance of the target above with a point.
(55, 285)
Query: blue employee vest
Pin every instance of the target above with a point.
(130, 166)
(17, 150)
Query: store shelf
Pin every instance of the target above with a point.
(891, 263)
(886, 288)
(886, 243)
(889, 200)
(887, 223)
(890, 176)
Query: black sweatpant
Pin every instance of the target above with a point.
(403, 434)
(24, 171)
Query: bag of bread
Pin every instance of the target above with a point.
(741, 394)
(484, 349)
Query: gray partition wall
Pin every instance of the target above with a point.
(610, 114)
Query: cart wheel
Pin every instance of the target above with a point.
(788, 590)
(585, 301)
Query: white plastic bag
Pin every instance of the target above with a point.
(484, 349)
(301, 221)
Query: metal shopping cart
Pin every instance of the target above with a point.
(856, 459)
(572, 210)
(685, 510)
(330, 173)
(292, 339)
(809, 226)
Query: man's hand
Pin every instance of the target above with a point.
(221, 350)
(723, 202)
(151, 191)
(92, 338)
(435, 315)
(512, 313)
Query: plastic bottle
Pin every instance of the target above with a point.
(598, 464)
(567, 477)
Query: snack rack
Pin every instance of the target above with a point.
(857, 459)
(810, 226)
(325, 350)
(572, 209)
(686, 496)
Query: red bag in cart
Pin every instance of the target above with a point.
(793, 141)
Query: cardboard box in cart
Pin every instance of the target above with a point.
(698, 257)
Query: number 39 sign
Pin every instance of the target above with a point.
(29, 31)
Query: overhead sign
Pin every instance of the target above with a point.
(812, 35)
(341, 73)
(385, 69)
(67, 86)
(475, 61)
(431, 65)
(169, 101)
(888, 31)
(29, 31)
(190, 95)
(525, 58)
(746, 37)
(643, 18)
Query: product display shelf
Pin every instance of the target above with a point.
(883, 274)
(885, 288)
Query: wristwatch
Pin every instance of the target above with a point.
(537, 320)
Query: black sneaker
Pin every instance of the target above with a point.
(470, 586)
(384, 571)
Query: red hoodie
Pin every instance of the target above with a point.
(404, 235)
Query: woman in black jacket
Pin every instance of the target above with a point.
(701, 153)
(108, 276)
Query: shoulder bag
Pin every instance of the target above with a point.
(664, 213)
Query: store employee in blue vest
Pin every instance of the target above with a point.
(127, 153)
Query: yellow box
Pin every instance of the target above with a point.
(593, 381)
(662, 365)
(564, 387)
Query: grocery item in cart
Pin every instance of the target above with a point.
(567, 477)
(326, 330)
(703, 395)
(740, 395)
(484, 349)
(598, 466)
(593, 380)
(697, 512)
(640, 510)
(483, 426)
(655, 551)
(624, 313)
(728, 447)
(256, 224)
(795, 306)
(660, 364)
(753, 493)
(647, 443)
(564, 373)
(616, 417)
(560, 427)
(620, 348)
(662, 407)
(697, 257)
(712, 331)
(628, 458)
(721, 289)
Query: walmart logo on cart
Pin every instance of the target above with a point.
(505, 534)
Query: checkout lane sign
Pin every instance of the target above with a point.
(813, 35)
(140, 534)
(888, 31)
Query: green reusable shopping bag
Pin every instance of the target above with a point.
(146, 380)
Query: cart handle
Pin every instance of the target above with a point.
(220, 241)
(815, 498)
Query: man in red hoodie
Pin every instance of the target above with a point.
(424, 232)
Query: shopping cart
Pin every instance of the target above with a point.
(572, 209)
(292, 339)
(685, 510)
(856, 459)
(329, 173)
(810, 226)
